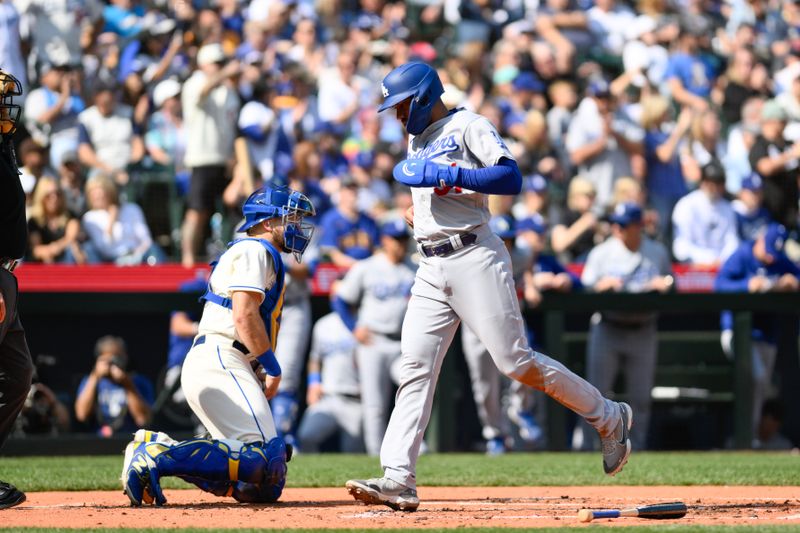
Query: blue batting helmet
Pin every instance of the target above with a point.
(503, 226)
(419, 82)
(288, 205)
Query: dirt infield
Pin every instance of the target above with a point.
(441, 507)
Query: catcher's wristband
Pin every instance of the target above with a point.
(314, 378)
(270, 363)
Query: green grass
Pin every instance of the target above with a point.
(627, 529)
(519, 469)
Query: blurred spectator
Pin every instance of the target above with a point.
(704, 147)
(626, 341)
(689, 78)
(59, 31)
(759, 266)
(166, 135)
(777, 163)
(665, 182)
(565, 99)
(52, 111)
(33, 161)
(608, 22)
(306, 50)
(379, 287)
(155, 54)
(644, 58)
(259, 126)
(534, 198)
(629, 190)
(347, 234)
(117, 231)
(566, 27)
(602, 142)
(333, 394)
(738, 86)
(11, 50)
(71, 179)
(704, 224)
(210, 106)
(112, 399)
(741, 138)
(342, 92)
(580, 228)
(109, 139)
(751, 215)
(534, 152)
(53, 232)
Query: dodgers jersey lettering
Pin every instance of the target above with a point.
(464, 139)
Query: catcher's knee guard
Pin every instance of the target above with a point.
(248, 472)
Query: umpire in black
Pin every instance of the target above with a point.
(16, 367)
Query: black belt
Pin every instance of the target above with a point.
(448, 246)
(6, 263)
(236, 344)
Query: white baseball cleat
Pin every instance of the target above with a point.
(383, 491)
(617, 446)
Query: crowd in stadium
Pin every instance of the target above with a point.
(675, 120)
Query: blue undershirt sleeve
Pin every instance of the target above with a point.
(502, 178)
(342, 309)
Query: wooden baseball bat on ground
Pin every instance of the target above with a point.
(660, 511)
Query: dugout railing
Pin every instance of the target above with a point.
(553, 312)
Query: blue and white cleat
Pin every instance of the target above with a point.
(495, 446)
(529, 428)
(140, 476)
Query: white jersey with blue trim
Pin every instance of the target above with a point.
(245, 266)
(466, 140)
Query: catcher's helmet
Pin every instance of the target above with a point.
(288, 205)
(503, 226)
(9, 111)
(419, 82)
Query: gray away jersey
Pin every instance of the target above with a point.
(334, 347)
(464, 139)
(381, 290)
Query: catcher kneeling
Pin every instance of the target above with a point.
(244, 457)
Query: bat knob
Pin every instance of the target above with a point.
(585, 515)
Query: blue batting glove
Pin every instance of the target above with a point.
(423, 173)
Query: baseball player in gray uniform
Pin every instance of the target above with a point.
(333, 395)
(626, 341)
(454, 159)
(379, 287)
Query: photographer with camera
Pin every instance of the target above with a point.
(119, 399)
(16, 367)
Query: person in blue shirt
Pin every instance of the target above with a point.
(760, 265)
(347, 234)
(688, 77)
(751, 215)
(119, 400)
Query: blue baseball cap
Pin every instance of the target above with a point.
(625, 214)
(527, 81)
(534, 183)
(775, 239)
(753, 182)
(599, 88)
(503, 226)
(395, 228)
(534, 223)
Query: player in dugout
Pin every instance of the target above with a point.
(456, 158)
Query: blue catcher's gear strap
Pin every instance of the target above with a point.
(284, 412)
(248, 472)
(270, 309)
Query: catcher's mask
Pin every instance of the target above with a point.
(288, 205)
(9, 111)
